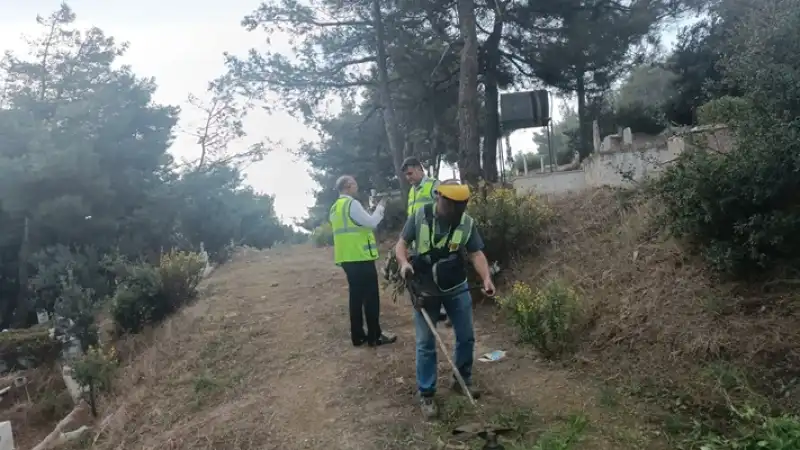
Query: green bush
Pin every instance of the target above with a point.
(508, 222)
(139, 300)
(741, 209)
(724, 110)
(33, 344)
(546, 318)
(148, 294)
(738, 209)
(322, 236)
(95, 368)
(180, 273)
(79, 305)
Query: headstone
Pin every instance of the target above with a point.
(42, 316)
(74, 389)
(596, 136)
(627, 137)
(6, 436)
(525, 164)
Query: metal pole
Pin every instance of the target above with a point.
(550, 143)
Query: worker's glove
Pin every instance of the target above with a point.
(406, 270)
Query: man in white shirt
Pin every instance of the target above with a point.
(355, 250)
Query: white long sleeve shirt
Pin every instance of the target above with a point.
(361, 217)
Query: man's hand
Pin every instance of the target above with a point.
(488, 287)
(406, 270)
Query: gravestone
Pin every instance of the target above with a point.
(627, 137)
(596, 136)
(6, 436)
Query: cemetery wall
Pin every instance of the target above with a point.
(622, 160)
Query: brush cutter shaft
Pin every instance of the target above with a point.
(456, 373)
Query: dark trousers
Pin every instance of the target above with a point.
(362, 280)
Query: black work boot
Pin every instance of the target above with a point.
(383, 339)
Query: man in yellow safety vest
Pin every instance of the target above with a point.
(421, 191)
(419, 195)
(356, 250)
(445, 237)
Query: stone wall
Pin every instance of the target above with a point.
(624, 159)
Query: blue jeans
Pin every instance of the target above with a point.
(459, 310)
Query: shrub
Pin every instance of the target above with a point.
(180, 273)
(78, 305)
(139, 300)
(546, 318)
(738, 209)
(32, 344)
(507, 221)
(94, 371)
(741, 209)
(149, 294)
(322, 236)
(724, 110)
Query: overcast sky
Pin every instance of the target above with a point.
(180, 43)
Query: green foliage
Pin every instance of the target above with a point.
(724, 110)
(34, 344)
(509, 222)
(546, 318)
(78, 305)
(754, 431)
(740, 209)
(180, 273)
(139, 300)
(147, 295)
(95, 369)
(322, 236)
(84, 162)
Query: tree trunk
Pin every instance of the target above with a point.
(23, 302)
(584, 124)
(468, 136)
(389, 120)
(491, 129)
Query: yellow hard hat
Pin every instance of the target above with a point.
(453, 190)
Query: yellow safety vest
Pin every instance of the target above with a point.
(419, 197)
(351, 242)
(425, 233)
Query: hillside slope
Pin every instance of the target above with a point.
(662, 324)
(263, 361)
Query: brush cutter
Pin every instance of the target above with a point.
(482, 430)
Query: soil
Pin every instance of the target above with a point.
(263, 361)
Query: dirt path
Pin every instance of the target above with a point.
(263, 361)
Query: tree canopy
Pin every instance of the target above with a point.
(85, 169)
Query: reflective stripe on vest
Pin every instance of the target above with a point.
(351, 242)
(419, 197)
(423, 239)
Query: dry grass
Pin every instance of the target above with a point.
(34, 409)
(659, 318)
(263, 361)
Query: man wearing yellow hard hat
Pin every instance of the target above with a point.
(445, 237)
